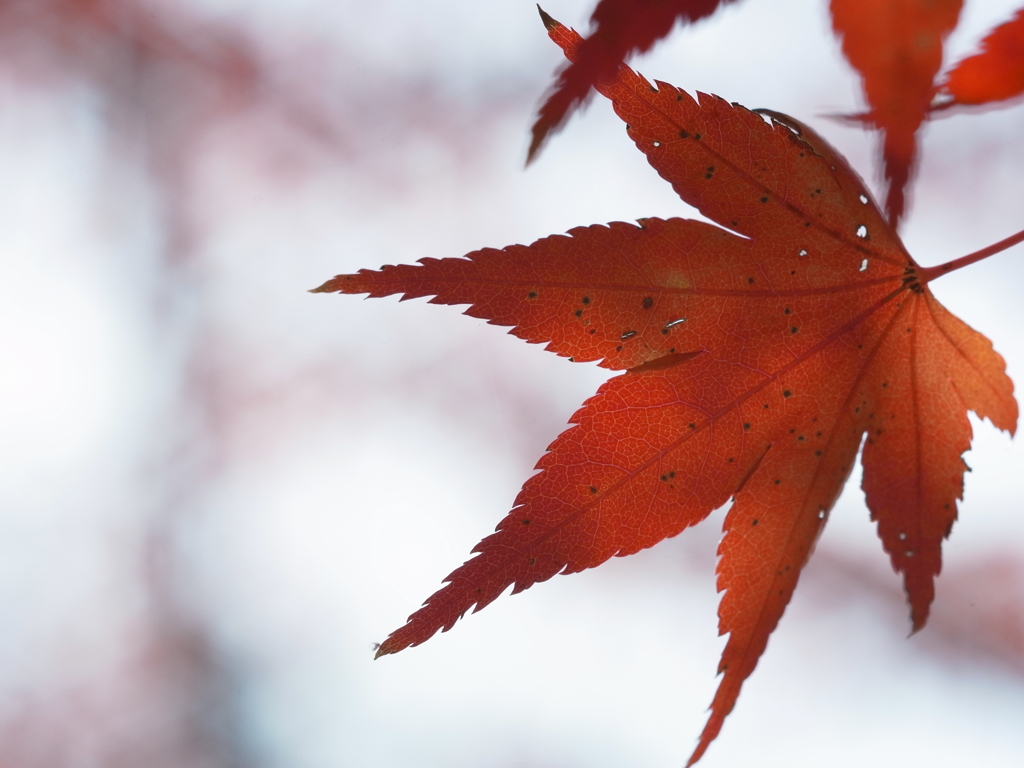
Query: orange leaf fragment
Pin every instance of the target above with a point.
(759, 354)
(896, 45)
(995, 72)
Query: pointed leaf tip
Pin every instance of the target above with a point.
(549, 23)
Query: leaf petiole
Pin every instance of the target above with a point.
(930, 273)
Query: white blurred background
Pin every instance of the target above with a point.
(218, 491)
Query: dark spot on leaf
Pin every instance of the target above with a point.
(593, 489)
(817, 453)
(526, 522)
(777, 481)
(786, 393)
(746, 425)
(578, 313)
(697, 136)
(531, 295)
(755, 522)
(683, 134)
(586, 299)
(788, 310)
(648, 302)
(764, 199)
(750, 280)
(794, 329)
(533, 561)
(692, 425)
(593, 330)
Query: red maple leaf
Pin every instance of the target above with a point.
(759, 355)
(995, 72)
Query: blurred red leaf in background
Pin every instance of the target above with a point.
(994, 73)
(620, 29)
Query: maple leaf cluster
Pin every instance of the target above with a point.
(759, 353)
(895, 45)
